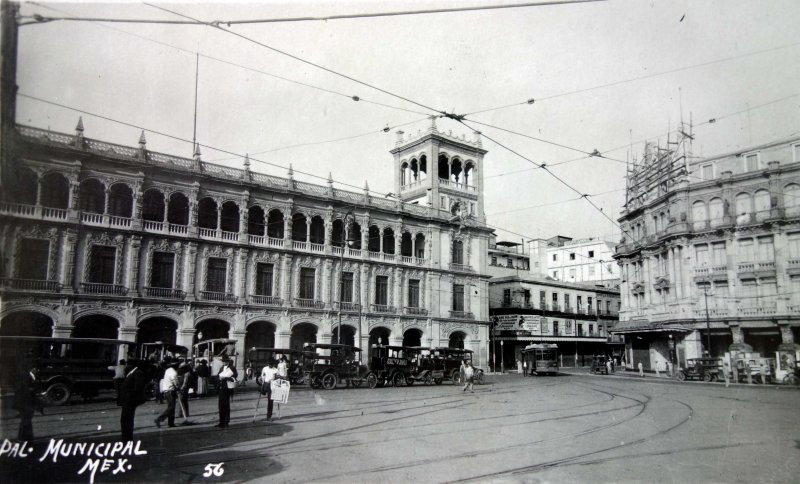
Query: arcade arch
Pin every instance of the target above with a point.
(96, 326)
(302, 333)
(26, 323)
(156, 329)
(260, 334)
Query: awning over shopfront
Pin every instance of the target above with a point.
(628, 327)
(546, 339)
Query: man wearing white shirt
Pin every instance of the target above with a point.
(283, 368)
(227, 383)
(268, 375)
(169, 388)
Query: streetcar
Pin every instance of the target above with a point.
(216, 352)
(541, 358)
(67, 366)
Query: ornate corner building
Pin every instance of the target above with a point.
(112, 241)
(710, 253)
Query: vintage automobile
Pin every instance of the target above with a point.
(391, 365)
(425, 367)
(326, 365)
(257, 359)
(600, 365)
(451, 359)
(760, 369)
(215, 352)
(707, 369)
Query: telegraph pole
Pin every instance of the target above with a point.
(708, 323)
(8, 90)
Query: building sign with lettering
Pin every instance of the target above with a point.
(528, 323)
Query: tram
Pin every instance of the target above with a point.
(541, 358)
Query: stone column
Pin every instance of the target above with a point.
(240, 289)
(74, 199)
(380, 241)
(787, 337)
(219, 219)
(397, 288)
(185, 337)
(287, 232)
(190, 266)
(738, 339)
(286, 279)
(308, 230)
(364, 287)
(68, 248)
(134, 251)
(327, 275)
(241, 351)
(243, 221)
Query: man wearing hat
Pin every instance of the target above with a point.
(226, 385)
(169, 387)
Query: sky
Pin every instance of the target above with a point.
(604, 76)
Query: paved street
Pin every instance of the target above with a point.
(569, 428)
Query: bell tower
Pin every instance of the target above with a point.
(440, 170)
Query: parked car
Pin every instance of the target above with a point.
(257, 359)
(425, 367)
(600, 365)
(707, 369)
(326, 365)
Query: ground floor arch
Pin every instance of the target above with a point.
(301, 334)
(211, 329)
(26, 323)
(412, 337)
(378, 336)
(156, 329)
(457, 340)
(348, 335)
(96, 326)
(260, 334)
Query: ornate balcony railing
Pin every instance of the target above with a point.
(153, 226)
(265, 300)
(207, 233)
(92, 218)
(317, 247)
(308, 303)
(230, 236)
(382, 308)
(100, 288)
(347, 306)
(461, 314)
(217, 296)
(178, 229)
(30, 284)
(416, 311)
(298, 245)
(164, 292)
(120, 222)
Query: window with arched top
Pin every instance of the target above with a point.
(153, 205)
(317, 235)
(275, 224)
(761, 200)
(93, 196)
(206, 213)
(791, 196)
(178, 210)
(419, 246)
(299, 227)
(120, 200)
(55, 191)
(256, 224)
(229, 217)
(716, 210)
(374, 242)
(699, 213)
(388, 241)
(25, 187)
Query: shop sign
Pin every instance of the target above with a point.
(518, 322)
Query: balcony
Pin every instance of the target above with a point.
(308, 303)
(217, 296)
(265, 300)
(100, 288)
(33, 211)
(461, 314)
(164, 292)
(416, 311)
(382, 308)
(456, 186)
(751, 270)
(764, 308)
(31, 285)
(347, 306)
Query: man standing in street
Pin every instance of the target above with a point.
(119, 377)
(26, 402)
(169, 388)
(131, 395)
(268, 375)
(283, 368)
(226, 384)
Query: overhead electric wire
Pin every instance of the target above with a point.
(299, 59)
(253, 69)
(41, 19)
(594, 153)
(625, 81)
(553, 203)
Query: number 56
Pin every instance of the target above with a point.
(214, 469)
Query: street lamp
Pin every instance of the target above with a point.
(346, 241)
(708, 323)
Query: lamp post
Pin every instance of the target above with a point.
(708, 323)
(345, 242)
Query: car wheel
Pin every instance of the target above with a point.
(398, 379)
(707, 377)
(428, 380)
(356, 383)
(681, 376)
(438, 381)
(409, 381)
(58, 393)
(479, 378)
(456, 377)
(329, 381)
(372, 380)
